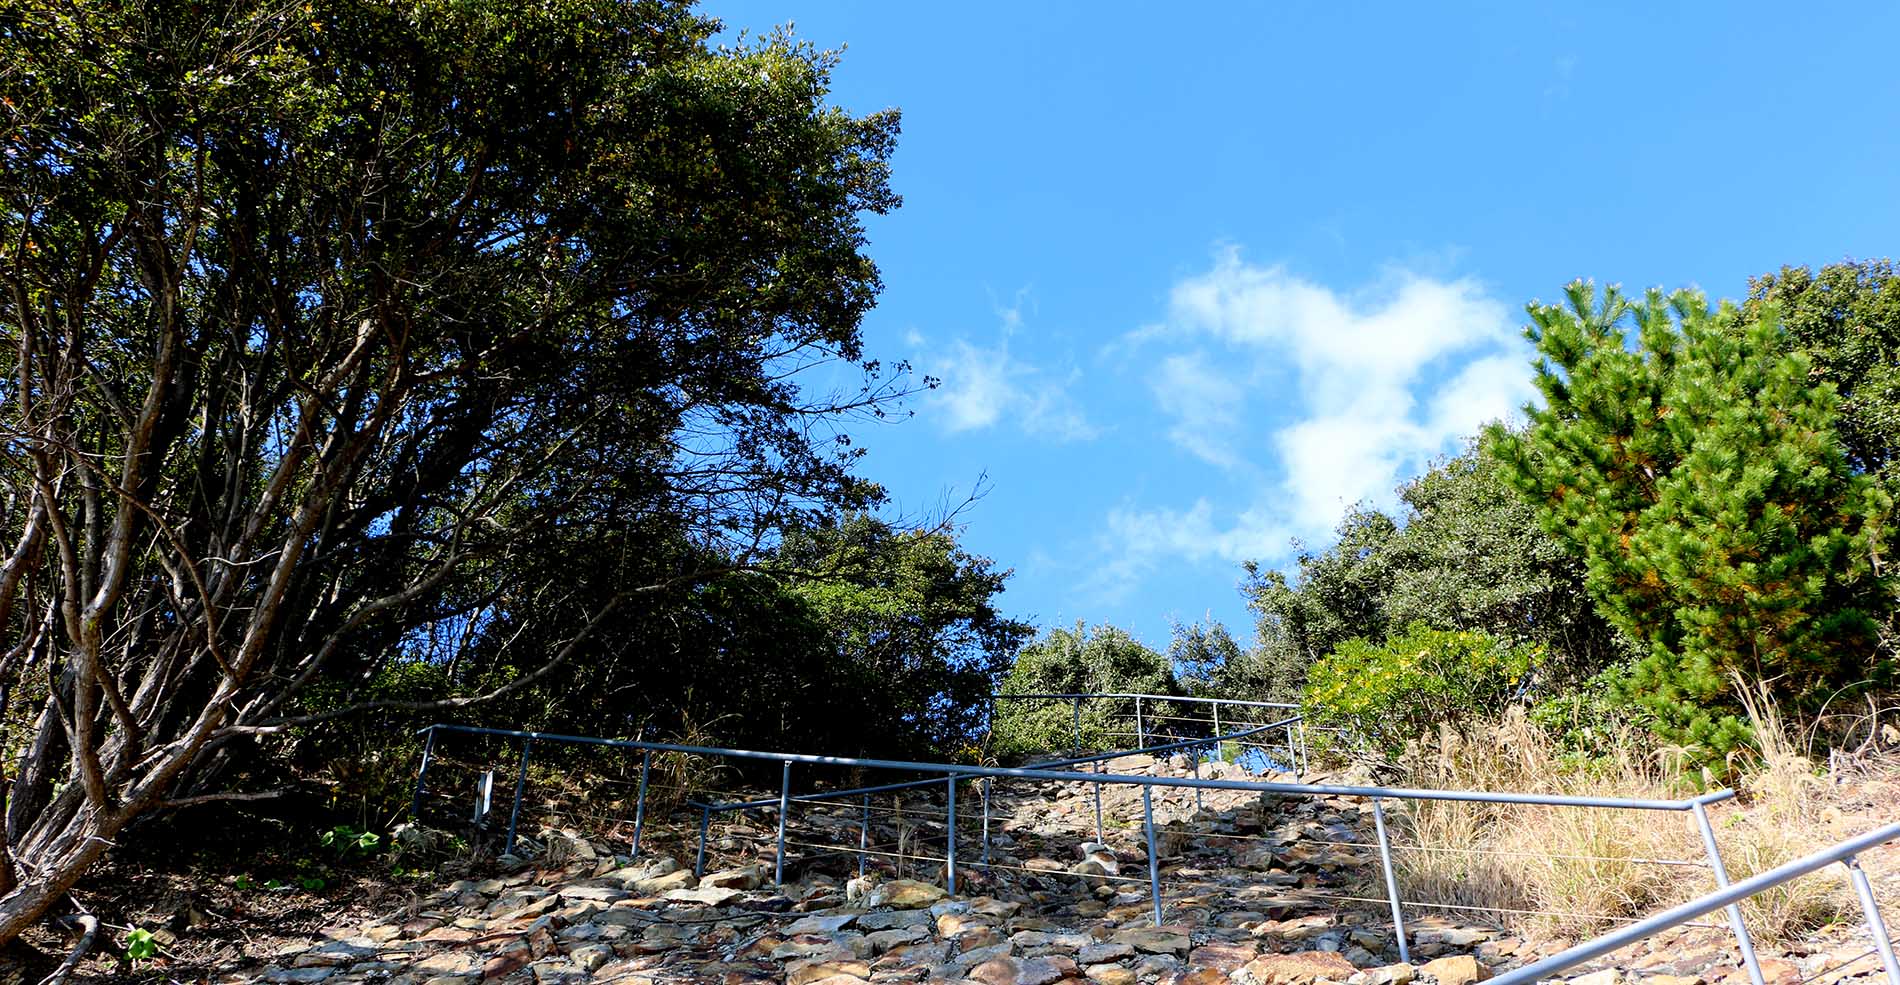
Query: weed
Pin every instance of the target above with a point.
(140, 945)
(1583, 868)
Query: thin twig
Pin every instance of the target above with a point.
(88, 932)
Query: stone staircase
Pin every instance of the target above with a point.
(1257, 891)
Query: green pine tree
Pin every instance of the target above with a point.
(1701, 478)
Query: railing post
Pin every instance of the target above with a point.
(1154, 861)
(1098, 806)
(640, 802)
(1303, 758)
(1391, 880)
(784, 806)
(986, 820)
(1077, 703)
(415, 803)
(1870, 907)
(1141, 735)
(950, 837)
(1217, 754)
(699, 860)
(521, 782)
(1735, 923)
(864, 834)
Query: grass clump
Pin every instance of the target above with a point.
(1577, 871)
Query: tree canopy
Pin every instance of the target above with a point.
(336, 333)
(1701, 479)
(1466, 554)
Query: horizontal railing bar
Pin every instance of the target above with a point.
(1118, 779)
(1077, 761)
(1735, 893)
(1155, 697)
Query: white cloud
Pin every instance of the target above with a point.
(1204, 402)
(986, 385)
(1377, 381)
(1137, 539)
(976, 386)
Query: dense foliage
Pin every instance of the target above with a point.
(1382, 696)
(1701, 479)
(1081, 660)
(1676, 520)
(398, 358)
(1845, 319)
(1466, 554)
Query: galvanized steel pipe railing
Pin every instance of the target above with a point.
(949, 855)
(951, 774)
(1296, 755)
(1846, 853)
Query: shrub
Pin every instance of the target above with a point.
(1384, 696)
(1077, 661)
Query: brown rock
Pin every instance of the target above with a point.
(955, 924)
(1299, 968)
(996, 971)
(748, 877)
(1458, 969)
(1110, 974)
(447, 963)
(1774, 971)
(507, 962)
(1155, 940)
(1221, 957)
(1043, 970)
(1392, 974)
(903, 894)
(810, 972)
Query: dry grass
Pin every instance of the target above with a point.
(1583, 868)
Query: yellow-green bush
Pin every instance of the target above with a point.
(1383, 696)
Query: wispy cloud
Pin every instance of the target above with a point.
(1204, 402)
(1367, 387)
(988, 385)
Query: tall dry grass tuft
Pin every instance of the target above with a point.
(1579, 867)
(1787, 816)
(1576, 871)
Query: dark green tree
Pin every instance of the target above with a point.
(911, 619)
(1082, 660)
(332, 329)
(1845, 318)
(1335, 595)
(1472, 556)
(1208, 662)
(1701, 479)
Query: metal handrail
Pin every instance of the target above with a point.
(1155, 697)
(952, 774)
(1295, 755)
(1100, 757)
(784, 800)
(1026, 773)
(1844, 852)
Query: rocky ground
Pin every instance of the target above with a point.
(1273, 892)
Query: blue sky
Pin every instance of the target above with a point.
(1195, 282)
